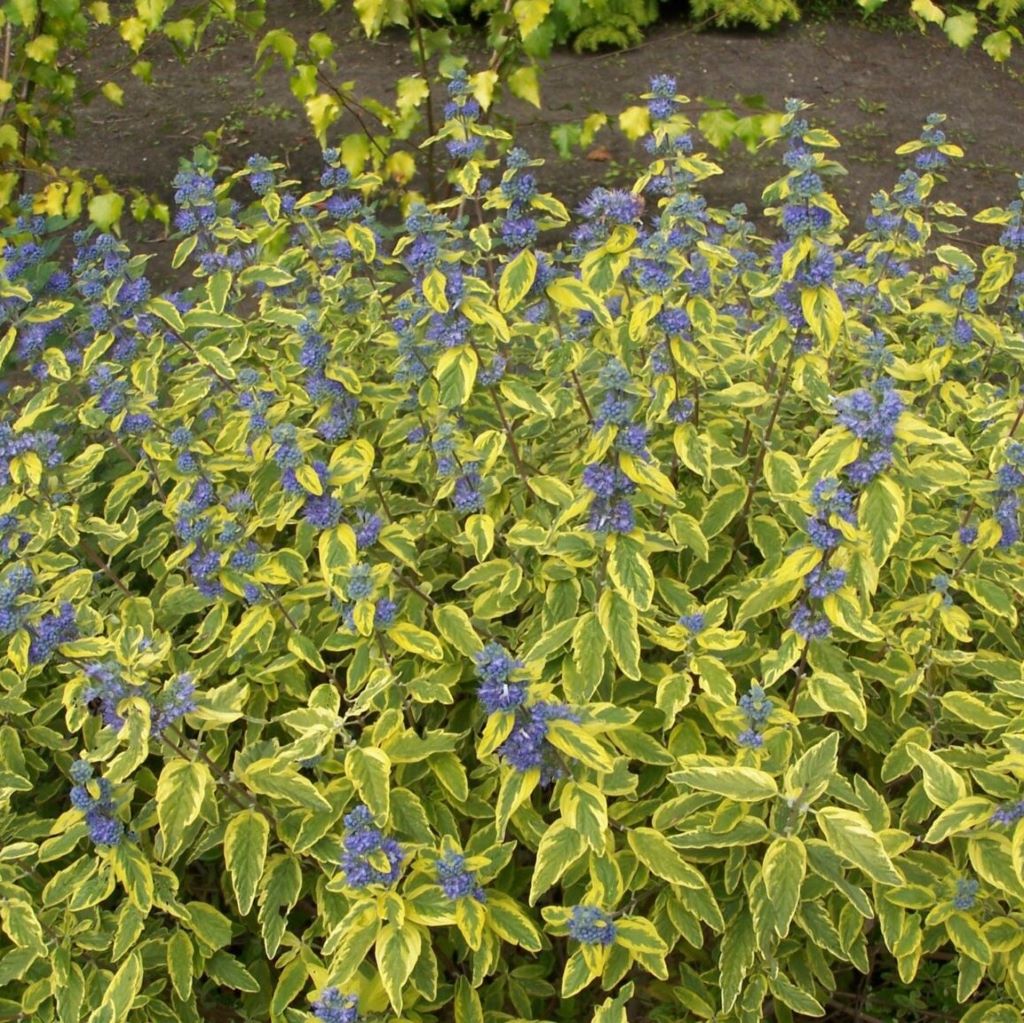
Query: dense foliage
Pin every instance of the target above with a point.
(454, 622)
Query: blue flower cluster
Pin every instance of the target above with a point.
(518, 227)
(335, 1007)
(18, 582)
(829, 498)
(871, 414)
(930, 157)
(1009, 480)
(590, 925)
(610, 510)
(603, 210)
(462, 109)
(1008, 814)
(44, 444)
(820, 582)
(107, 687)
(99, 809)
(369, 857)
(966, 894)
(498, 691)
(385, 610)
(456, 881)
(758, 709)
(694, 623)
(527, 746)
(53, 629)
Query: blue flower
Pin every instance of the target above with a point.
(693, 622)
(365, 847)
(335, 1007)
(527, 746)
(750, 739)
(456, 881)
(495, 665)
(809, 624)
(966, 894)
(591, 926)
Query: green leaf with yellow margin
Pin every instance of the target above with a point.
(456, 374)
(516, 280)
(245, 853)
(783, 869)
(653, 850)
(630, 571)
(619, 622)
(396, 951)
(560, 847)
(369, 769)
(416, 641)
(852, 838)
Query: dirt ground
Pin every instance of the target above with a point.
(872, 86)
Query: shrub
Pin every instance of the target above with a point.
(428, 622)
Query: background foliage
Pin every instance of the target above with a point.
(516, 616)
(41, 89)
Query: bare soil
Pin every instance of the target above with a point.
(872, 87)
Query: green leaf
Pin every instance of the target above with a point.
(743, 784)
(661, 859)
(281, 781)
(573, 295)
(245, 853)
(942, 785)
(290, 984)
(511, 922)
(576, 975)
(516, 789)
(370, 771)
(516, 280)
(575, 741)
(416, 641)
(834, 693)
(795, 998)
(455, 626)
(963, 815)
(434, 291)
(783, 870)
(560, 847)
(179, 798)
(881, 513)
(467, 1003)
(851, 836)
(722, 508)
(132, 869)
(824, 313)
(180, 963)
(639, 935)
(618, 620)
(966, 934)
(119, 993)
(21, 925)
(396, 951)
(630, 572)
(998, 45)
(685, 530)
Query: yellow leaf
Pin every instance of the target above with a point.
(482, 85)
(42, 49)
(114, 93)
(322, 111)
(524, 83)
(400, 167)
(133, 32)
(635, 122)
